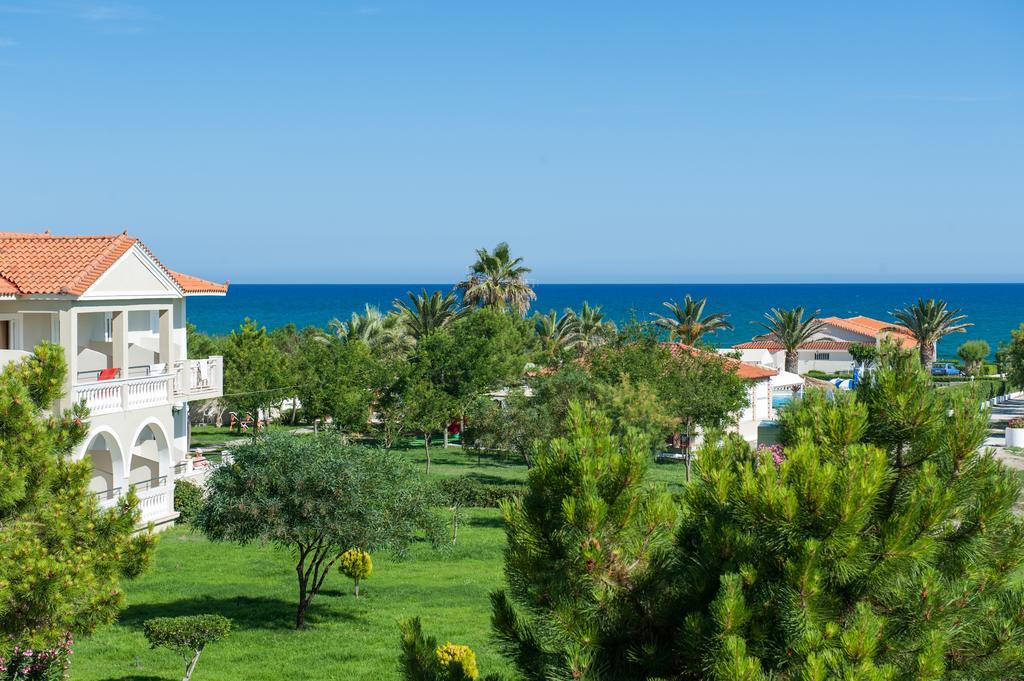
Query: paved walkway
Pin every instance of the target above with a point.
(1001, 413)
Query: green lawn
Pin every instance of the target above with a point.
(346, 639)
(255, 587)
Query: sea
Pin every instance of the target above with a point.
(994, 309)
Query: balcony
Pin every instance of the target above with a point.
(156, 500)
(199, 379)
(124, 394)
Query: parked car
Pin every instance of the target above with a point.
(945, 369)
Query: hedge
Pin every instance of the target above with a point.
(465, 491)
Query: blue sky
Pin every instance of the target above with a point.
(383, 141)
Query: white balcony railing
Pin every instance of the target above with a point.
(156, 499)
(199, 379)
(108, 397)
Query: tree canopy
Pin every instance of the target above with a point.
(316, 497)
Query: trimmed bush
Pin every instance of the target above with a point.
(187, 636)
(465, 491)
(357, 566)
(188, 499)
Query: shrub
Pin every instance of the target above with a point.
(357, 566)
(187, 636)
(465, 491)
(26, 664)
(188, 499)
(1016, 423)
(423, 659)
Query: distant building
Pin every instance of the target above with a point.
(119, 314)
(829, 348)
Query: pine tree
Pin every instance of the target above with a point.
(883, 546)
(580, 545)
(61, 557)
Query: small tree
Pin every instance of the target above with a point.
(423, 659)
(357, 566)
(863, 354)
(973, 353)
(317, 497)
(188, 636)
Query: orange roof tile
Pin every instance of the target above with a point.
(776, 346)
(750, 372)
(44, 263)
(190, 284)
(872, 328)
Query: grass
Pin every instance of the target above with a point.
(348, 639)
(255, 587)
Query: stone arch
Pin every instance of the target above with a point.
(149, 460)
(103, 447)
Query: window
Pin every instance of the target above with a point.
(821, 355)
(5, 335)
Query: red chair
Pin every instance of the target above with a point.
(109, 374)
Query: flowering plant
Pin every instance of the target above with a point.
(24, 663)
(1016, 422)
(777, 452)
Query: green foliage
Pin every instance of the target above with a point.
(253, 370)
(426, 313)
(422, 659)
(357, 566)
(973, 353)
(200, 344)
(188, 499)
(497, 280)
(62, 558)
(1014, 358)
(335, 379)
(465, 491)
(791, 329)
(688, 324)
(188, 636)
(317, 497)
(928, 322)
(882, 547)
(580, 550)
(863, 354)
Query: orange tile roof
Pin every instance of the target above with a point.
(776, 346)
(44, 263)
(872, 328)
(190, 284)
(750, 372)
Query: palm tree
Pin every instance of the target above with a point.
(425, 313)
(376, 329)
(789, 328)
(928, 321)
(557, 334)
(497, 279)
(687, 321)
(594, 329)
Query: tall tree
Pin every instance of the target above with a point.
(254, 371)
(384, 331)
(594, 329)
(335, 379)
(317, 498)
(497, 279)
(928, 321)
(688, 324)
(63, 558)
(791, 330)
(425, 313)
(557, 335)
(581, 546)
(1014, 357)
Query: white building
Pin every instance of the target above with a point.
(119, 314)
(759, 406)
(829, 349)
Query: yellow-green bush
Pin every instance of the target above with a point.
(356, 565)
